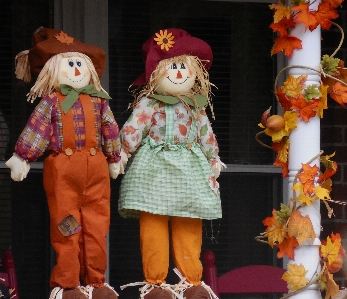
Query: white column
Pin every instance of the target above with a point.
(304, 145)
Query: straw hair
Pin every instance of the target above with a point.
(46, 81)
(202, 83)
(22, 66)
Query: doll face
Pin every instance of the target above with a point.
(73, 71)
(179, 77)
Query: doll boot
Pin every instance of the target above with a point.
(158, 293)
(104, 292)
(60, 293)
(187, 290)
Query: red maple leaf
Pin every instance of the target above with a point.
(282, 26)
(286, 247)
(324, 14)
(305, 16)
(287, 44)
(283, 99)
(305, 109)
(339, 93)
(327, 174)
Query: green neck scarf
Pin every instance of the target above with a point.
(73, 93)
(201, 100)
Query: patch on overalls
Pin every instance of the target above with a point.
(69, 226)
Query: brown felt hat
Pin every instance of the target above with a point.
(172, 42)
(48, 42)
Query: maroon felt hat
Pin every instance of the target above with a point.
(48, 42)
(171, 42)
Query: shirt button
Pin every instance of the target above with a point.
(92, 151)
(68, 151)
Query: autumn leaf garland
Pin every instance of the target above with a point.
(287, 229)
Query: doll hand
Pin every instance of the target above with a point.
(19, 168)
(217, 166)
(124, 159)
(115, 169)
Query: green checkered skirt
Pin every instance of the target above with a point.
(167, 179)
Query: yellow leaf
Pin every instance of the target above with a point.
(300, 227)
(295, 276)
(276, 233)
(281, 11)
(282, 153)
(330, 251)
(332, 287)
(293, 86)
(323, 103)
(290, 118)
(321, 192)
(276, 136)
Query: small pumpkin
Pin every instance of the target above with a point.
(275, 123)
(336, 265)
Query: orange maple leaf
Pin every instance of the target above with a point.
(324, 14)
(284, 165)
(339, 93)
(287, 247)
(304, 16)
(334, 3)
(305, 109)
(282, 26)
(269, 221)
(64, 38)
(293, 86)
(283, 99)
(307, 177)
(300, 227)
(287, 44)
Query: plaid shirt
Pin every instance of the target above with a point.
(43, 130)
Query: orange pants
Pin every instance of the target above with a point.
(186, 244)
(78, 185)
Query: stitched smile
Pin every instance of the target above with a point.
(178, 83)
(76, 80)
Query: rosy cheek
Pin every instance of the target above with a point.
(166, 74)
(190, 73)
(86, 72)
(64, 74)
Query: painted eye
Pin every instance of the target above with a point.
(71, 63)
(78, 63)
(174, 66)
(183, 66)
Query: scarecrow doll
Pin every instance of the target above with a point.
(170, 180)
(74, 125)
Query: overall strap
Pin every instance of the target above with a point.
(192, 130)
(89, 120)
(69, 126)
(170, 129)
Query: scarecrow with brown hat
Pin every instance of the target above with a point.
(170, 180)
(75, 126)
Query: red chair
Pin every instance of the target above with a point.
(8, 278)
(261, 279)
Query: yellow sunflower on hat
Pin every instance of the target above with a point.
(164, 40)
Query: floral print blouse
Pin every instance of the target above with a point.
(149, 118)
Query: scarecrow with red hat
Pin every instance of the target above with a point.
(170, 180)
(75, 126)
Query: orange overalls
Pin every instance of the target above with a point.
(77, 183)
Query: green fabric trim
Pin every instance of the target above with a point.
(200, 99)
(72, 94)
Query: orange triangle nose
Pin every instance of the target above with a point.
(77, 72)
(179, 75)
